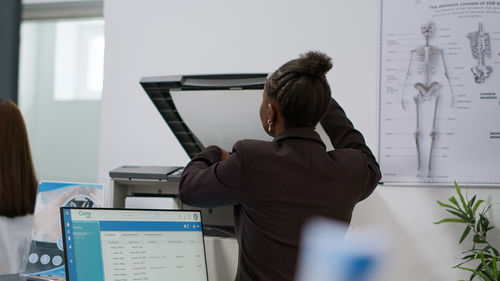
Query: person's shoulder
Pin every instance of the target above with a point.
(252, 152)
(19, 222)
(345, 152)
(251, 144)
(26, 219)
(255, 148)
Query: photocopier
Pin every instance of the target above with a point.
(200, 110)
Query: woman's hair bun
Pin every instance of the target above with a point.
(314, 63)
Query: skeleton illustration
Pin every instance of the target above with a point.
(481, 48)
(426, 59)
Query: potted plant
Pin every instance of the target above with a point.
(476, 223)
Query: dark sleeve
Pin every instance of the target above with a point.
(209, 182)
(343, 135)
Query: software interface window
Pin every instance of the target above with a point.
(120, 245)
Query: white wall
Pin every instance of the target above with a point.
(64, 135)
(145, 38)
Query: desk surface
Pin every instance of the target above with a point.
(10, 277)
(13, 277)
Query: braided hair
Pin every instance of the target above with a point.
(301, 89)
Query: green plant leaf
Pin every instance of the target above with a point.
(468, 257)
(460, 215)
(484, 222)
(471, 202)
(479, 273)
(495, 267)
(486, 252)
(474, 209)
(469, 251)
(477, 239)
(486, 267)
(447, 205)
(478, 267)
(464, 234)
(485, 258)
(464, 262)
(457, 188)
(495, 251)
(450, 220)
(485, 276)
(453, 200)
(468, 269)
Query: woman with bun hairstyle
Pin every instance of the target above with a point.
(276, 186)
(18, 184)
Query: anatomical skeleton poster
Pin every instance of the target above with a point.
(440, 92)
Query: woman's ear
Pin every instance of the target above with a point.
(269, 113)
(272, 111)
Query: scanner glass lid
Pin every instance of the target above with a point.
(214, 109)
(222, 117)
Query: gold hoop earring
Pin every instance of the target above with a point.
(270, 123)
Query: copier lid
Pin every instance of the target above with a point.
(203, 110)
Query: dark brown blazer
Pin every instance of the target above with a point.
(276, 186)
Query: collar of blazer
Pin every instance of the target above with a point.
(300, 133)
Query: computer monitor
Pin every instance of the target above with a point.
(126, 244)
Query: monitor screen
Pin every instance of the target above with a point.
(119, 245)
